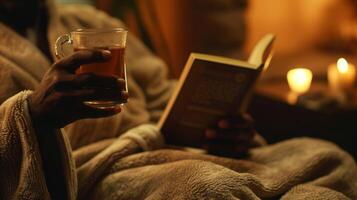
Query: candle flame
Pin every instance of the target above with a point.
(342, 65)
(300, 76)
(299, 80)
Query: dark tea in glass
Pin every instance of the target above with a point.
(113, 40)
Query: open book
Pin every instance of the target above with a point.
(210, 88)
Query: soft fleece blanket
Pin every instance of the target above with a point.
(106, 164)
(134, 166)
(301, 168)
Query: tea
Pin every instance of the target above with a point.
(115, 66)
(113, 39)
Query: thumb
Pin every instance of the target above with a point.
(74, 61)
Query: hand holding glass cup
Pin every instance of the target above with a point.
(113, 40)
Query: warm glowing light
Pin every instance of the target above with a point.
(341, 77)
(342, 65)
(299, 80)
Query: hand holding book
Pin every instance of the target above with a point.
(231, 136)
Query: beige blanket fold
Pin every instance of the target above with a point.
(21, 172)
(144, 137)
(294, 169)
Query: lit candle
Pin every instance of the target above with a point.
(341, 76)
(299, 80)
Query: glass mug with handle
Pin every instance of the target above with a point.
(113, 40)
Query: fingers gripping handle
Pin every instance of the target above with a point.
(61, 43)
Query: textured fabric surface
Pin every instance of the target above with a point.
(22, 66)
(131, 166)
(300, 168)
(21, 171)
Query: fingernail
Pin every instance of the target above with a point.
(210, 134)
(121, 83)
(117, 109)
(223, 124)
(106, 54)
(125, 94)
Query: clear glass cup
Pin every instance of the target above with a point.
(113, 40)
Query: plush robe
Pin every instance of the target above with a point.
(122, 157)
(22, 66)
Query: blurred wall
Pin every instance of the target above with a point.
(169, 27)
(299, 24)
(77, 1)
(179, 27)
